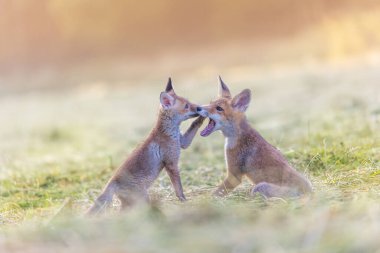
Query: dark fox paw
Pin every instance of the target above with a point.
(198, 121)
(182, 198)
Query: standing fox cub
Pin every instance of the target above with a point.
(161, 149)
(247, 152)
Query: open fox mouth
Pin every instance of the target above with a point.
(209, 128)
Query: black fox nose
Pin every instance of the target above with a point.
(199, 109)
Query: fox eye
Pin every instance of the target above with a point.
(220, 109)
(187, 106)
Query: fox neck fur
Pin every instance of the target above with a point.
(168, 124)
(238, 130)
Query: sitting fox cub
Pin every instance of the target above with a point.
(246, 151)
(161, 149)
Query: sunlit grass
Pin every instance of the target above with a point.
(55, 162)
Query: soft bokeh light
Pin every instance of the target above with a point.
(48, 40)
(80, 82)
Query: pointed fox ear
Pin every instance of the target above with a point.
(241, 101)
(169, 87)
(166, 100)
(224, 92)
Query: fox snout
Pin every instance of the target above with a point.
(201, 111)
(193, 110)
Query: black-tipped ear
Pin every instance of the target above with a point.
(169, 86)
(223, 89)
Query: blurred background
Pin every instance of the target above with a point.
(50, 44)
(79, 89)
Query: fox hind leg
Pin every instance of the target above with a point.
(101, 203)
(175, 178)
(268, 190)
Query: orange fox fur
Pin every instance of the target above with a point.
(247, 153)
(160, 150)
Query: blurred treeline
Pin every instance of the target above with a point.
(60, 32)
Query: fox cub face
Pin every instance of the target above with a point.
(225, 112)
(177, 106)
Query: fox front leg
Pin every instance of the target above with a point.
(175, 178)
(228, 184)
(188, 136)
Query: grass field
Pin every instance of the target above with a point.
(58, 149)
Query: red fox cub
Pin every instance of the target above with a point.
(247, 152)
(160, 150)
